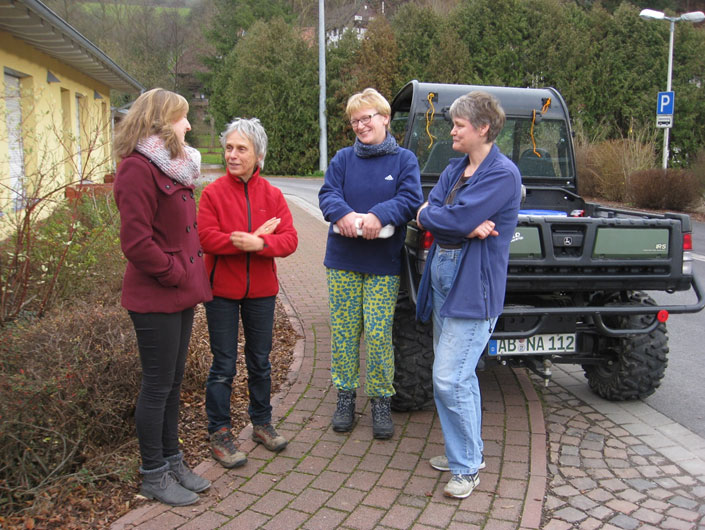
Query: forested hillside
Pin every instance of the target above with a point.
(260, 59)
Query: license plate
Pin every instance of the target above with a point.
(548, 343)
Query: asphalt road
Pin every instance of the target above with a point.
(681, 396)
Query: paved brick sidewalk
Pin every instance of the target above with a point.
(330, 480)
(618, 465)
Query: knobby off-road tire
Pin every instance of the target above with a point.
(413, 359)
(633, 366)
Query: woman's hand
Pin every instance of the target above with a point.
(347, 224)
(268, 227)
(418, 213)
(370, 225)
(485, 229)
(247, 242)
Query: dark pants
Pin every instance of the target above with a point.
(162, 339)
(257, 316)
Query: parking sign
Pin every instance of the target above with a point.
(665, 103)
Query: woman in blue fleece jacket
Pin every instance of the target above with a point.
(472, 214)
(370, 189)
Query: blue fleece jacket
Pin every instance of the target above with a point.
(493, 192)
(389, 186)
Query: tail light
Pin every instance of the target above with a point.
(688, 253)
(687, 241)
(426, 240)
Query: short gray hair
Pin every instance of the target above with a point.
(480, 108)
(252, 129)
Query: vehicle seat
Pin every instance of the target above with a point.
(531, 165)
(441, 152)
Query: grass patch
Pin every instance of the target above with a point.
(212, 158)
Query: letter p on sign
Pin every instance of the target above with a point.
(665, 103)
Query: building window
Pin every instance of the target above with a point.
(79, 136)
(13, 117)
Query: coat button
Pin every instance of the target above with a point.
(200, 253)
(188, 228)
(183, 197)
(167, 186)
(195, 224)
(192, 195)
(191, 259)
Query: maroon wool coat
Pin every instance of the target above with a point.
(159, 236)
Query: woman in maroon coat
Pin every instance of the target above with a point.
(165, 278)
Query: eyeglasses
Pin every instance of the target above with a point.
(364, 120)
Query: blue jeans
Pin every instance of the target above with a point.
(257, 316)
(162, 340)
(458, 344)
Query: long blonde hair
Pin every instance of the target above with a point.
(154, 112)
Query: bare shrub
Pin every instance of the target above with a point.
(588, 177)
(67, 382)
(670, 189)
(60, 256)
(698, 168)
(604, 167)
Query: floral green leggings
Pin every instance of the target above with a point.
(356, 300)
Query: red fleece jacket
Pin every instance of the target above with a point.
(229, 205)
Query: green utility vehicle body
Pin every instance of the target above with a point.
(577, 270)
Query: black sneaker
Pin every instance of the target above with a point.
(382, 424)
(344, 415)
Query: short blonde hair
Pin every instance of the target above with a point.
(153, 113)
(368, 98)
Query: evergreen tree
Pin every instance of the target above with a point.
(228, 22)
(341, 83)
(272, 75)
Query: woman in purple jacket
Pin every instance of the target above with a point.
(165, 278)
(465, 276)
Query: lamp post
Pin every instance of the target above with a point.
(323, 141)
(693, 16)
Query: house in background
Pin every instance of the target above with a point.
(55, 115)
(355, 16)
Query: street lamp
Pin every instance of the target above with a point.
(693, 16)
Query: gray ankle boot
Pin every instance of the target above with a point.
(344, 415)
(187, 478)
(382, 424)
(161, 484)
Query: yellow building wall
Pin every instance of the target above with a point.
(65, 132)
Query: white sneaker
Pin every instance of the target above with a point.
(441, 463)
(461, 486)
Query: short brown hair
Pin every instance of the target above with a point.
(153, 113)
(480, 108)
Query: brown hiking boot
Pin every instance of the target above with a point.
(225, 451)
(269, 437)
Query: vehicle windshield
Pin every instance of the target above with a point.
(539, 151)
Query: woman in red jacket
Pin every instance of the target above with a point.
(244, 223)
(165, 278)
